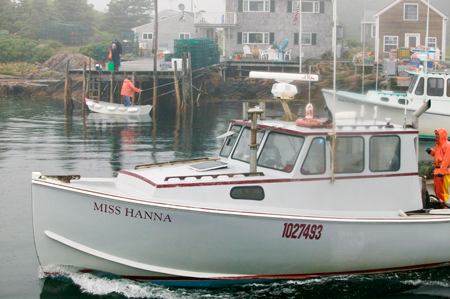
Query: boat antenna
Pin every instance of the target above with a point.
(426, 37)
(333, 136)
(364, 50)
(309, 87)
(300, 35)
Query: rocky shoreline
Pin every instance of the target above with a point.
(214, 87)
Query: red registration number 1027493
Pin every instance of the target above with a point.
(306, 231)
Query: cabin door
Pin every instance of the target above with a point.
(412, 40)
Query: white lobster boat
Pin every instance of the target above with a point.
(117, 109)
(276, 209)
(423, 87)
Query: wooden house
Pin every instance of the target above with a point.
(260, 23)
(404, 23)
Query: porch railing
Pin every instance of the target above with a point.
(215, 18)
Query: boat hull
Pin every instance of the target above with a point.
(117, 109)
(436, 117)
(181, 245)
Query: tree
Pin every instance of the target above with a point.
(7, 15)
(31, 16)
(75, 12)
(123, 15)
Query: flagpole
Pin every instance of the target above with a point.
(300, 34)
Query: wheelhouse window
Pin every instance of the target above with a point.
(310, 6)
(255, 37)
(230, 141)
(315, 159)
(147, 36)
(280, 151)
(448, 87)
(435, 87)
(411, 12)
(263, 6)
(184, 35)
(242, 150)
(432, 42)
(349, 155)
(384, 153)
(390, 42)
(413, 83)
(420, 87)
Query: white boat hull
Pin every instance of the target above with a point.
(117, 109)
(158, 241)
(437, 116)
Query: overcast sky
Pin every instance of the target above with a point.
(208, 5)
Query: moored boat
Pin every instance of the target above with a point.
(117, 109)
(423, 87)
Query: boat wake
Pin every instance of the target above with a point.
(70, 283)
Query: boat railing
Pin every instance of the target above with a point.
(174, 163)
(214, 176)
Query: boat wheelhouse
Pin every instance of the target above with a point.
(398, 106)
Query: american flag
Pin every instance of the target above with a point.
(296, 16)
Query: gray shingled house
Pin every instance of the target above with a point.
(261, 23)
(171, 25)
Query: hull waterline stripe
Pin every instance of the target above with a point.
(133, 264)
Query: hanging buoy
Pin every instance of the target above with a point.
(309, 111)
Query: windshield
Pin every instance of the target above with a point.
(242, 151)
(412, 84)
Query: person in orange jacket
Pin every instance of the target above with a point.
(442, 163)
(127, 91)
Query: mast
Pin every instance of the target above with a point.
(300, 34)
(333, 137)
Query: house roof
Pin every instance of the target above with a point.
(400, 1)
(167, 15)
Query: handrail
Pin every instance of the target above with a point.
(174, 163)
(214, 176)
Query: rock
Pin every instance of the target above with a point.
(58, 62)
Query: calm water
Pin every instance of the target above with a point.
(37, 136)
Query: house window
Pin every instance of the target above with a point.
(411, 12)
(255, 37)
(184, 35)
(373, 31)
(390, 42)
(306, 38)
(432, 42)
(310, 6)
(256, 5)
(147, 36)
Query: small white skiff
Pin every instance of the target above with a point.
(276, 209)
(423, 87)
(117, 109)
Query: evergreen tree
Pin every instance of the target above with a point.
(7, 15)
(31, 16)
(75, 12)
(123, 15)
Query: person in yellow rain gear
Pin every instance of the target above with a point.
(442, 162)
